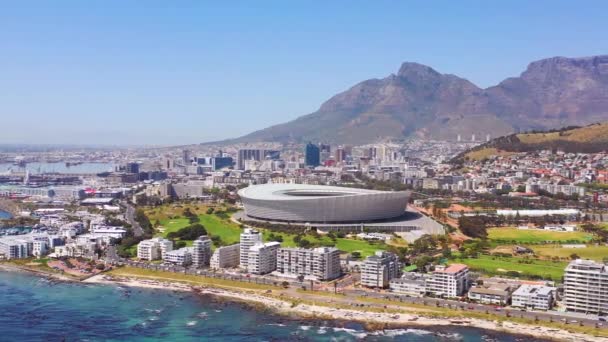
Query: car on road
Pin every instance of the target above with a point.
(603, 319)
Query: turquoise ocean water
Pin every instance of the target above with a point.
(36, 309)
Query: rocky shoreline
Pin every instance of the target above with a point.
(371, 320)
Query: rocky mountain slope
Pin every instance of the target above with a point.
(420, 101)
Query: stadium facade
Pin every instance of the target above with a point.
(305, 203)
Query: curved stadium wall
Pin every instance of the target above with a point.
(321, 204)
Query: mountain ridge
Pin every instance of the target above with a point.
(420, 101)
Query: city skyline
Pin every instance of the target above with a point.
(117, 73)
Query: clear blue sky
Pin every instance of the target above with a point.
(172, 72)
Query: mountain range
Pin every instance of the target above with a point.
(420, 101)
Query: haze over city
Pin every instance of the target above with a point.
(189, 72)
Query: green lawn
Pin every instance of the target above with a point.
(228, 231)
(590, 252)
(523, 236)
(346, 245)
(364, 247)
(500, 266)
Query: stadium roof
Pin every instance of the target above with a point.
(300, 191)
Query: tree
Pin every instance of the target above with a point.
(217, 241)
(574, 256)
(356, 255)
(190, 232)
(303, 243)
(210, 211)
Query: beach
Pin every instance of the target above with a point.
(379, 319)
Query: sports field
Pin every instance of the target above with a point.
(491, 265)
(535, 236)
(590, 252)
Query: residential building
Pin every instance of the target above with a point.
(411, 283)
(449, 281)
(154, 249)
(586, 287)
(15, 247)
(321, 263)
(226, 256)
(378, 270)
(537, 297)
(182, 256)
(201, 255)
(262, 258)
(249, 238)
(492, 292)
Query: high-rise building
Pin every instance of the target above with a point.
(219, 163)
(378, 270)
(340, 154)
(201, 254)
(450, 281)
(321, 263)
(324, 153)
(226, 256)
(312, 155)
(186, 157)
(262, 258)
(249, 238)
(257, 155)
(132, 167)
(586, 287)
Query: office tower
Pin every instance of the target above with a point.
(312, 155)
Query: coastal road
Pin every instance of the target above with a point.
(130, 216)
(464, 306)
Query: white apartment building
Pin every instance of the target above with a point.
(586, 287)
(249, 238)
(15, 247)
(450, 281)
(226, 256)
(182, 256)
(321, 263)
(413, 284)
(262, 258)
(537, 297)
(201, 251)
(40, 247)
(378, 270)
(154, 249)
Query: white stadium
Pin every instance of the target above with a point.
(321, 204)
